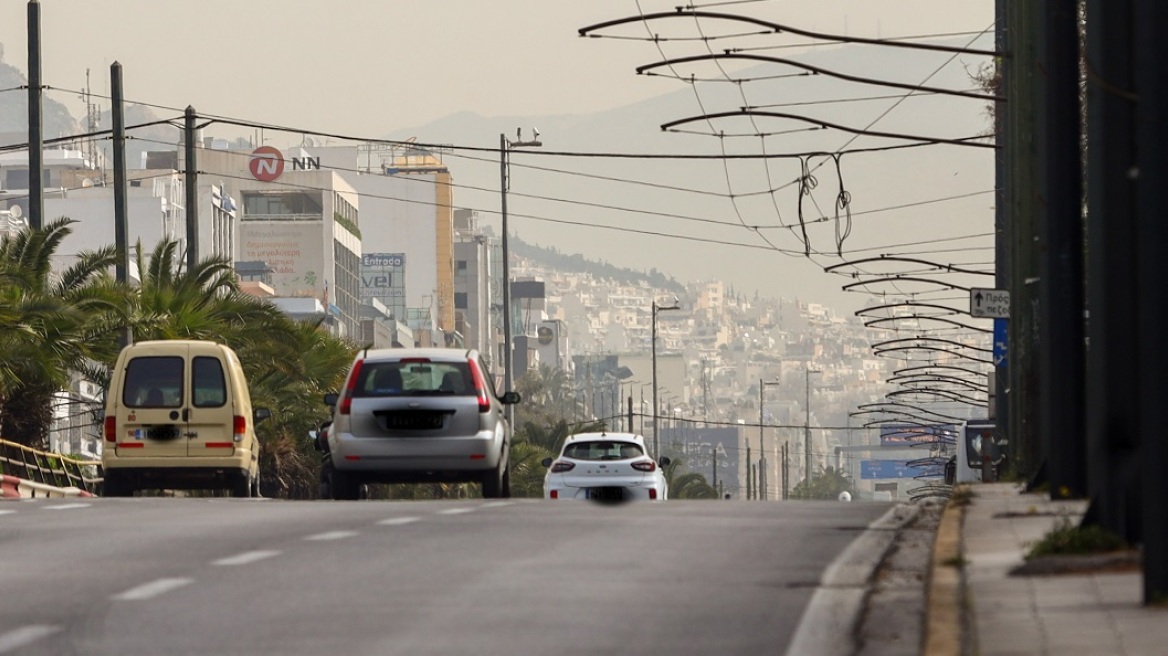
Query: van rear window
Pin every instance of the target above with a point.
(153, 382)
(209, 385)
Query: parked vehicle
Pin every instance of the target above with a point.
(416, 416)
(178, 415)
(605, 467)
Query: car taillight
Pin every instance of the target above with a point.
(646, 466)
(555, 494)
(239, 427)
(652, 494)
(480, 385)
(561, 466)
(111, 429)
(350, 385)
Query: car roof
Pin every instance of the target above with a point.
(615, 437)
(393, 354)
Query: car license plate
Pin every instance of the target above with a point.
(413, 420)
(605, 493)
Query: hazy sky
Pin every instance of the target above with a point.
(374, 67)
(371, 66)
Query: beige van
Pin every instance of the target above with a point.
(178, 416)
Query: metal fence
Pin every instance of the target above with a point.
(49, 468)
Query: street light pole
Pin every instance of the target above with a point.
(504, 182)
(807, 430)
(761, 446)
(653, 330)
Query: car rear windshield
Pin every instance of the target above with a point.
(603, 450)
(414, 378)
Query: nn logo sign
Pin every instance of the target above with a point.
(267, 164)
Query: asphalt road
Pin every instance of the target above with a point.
(514, 577)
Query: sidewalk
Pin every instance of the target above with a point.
(1081, 612)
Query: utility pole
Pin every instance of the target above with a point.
(1151, 49)
(191, 182)
(761, 448)
(749, 474)
(121, 221)
(714, 454)
(807, 429)
(504, 184)
(786, 472)
(1061, 319)
(36, 131)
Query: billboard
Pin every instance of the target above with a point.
(293, 249)
(383, 276)
(700, 448)
(914, 434)
(879, 469)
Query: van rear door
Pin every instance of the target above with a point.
(150, 412)
(210, 410)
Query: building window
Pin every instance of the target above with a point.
(460, 300)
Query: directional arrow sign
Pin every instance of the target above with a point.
(989, 303)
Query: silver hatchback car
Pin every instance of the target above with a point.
(416, 416)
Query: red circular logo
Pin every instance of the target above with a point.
(266, 164)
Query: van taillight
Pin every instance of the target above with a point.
(480, 385)
(239, 427)
(111, 429)
(347, 396)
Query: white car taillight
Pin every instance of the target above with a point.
(645, 466)
(480, 386)
(347, 396)
(561, 466)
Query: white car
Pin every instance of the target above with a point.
(605, 467)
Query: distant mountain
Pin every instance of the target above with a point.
(687, 223)
(553, 259)
(14, 109)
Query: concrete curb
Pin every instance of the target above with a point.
(828, 624)
(12, 487)
(944, 604)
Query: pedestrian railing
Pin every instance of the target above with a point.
(49, 468)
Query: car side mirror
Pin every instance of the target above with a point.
(260, 414)
(664, 462)
(330, 399)
(546, 462)
(509, 398)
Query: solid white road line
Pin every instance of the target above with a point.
(332, 535)
(67, 506)
(152, 589)
(245, 558)
(455, 511)
(498, 504)
(6, 512)
(397, 521)
(829, 621)
(24, 636)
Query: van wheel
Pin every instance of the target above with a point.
(241, 486)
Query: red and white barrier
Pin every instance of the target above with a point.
(12, 487)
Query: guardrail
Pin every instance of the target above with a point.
(51, 469)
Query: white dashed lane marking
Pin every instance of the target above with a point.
(332, 535)
(455, 511)
(152, 589)
(24, 636)
(498, 504)
(67, 506)
(6, 512)
(245, 558)
(397, 521)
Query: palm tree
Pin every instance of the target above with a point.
(52, 326)
(687, 485)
